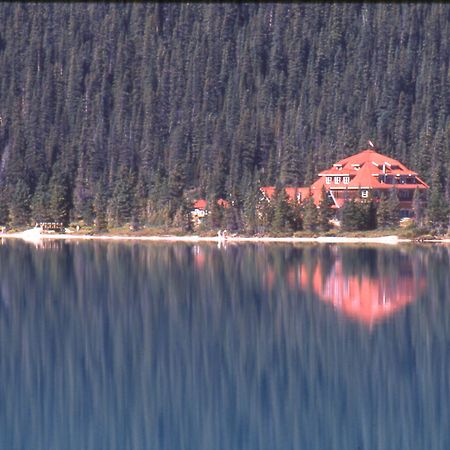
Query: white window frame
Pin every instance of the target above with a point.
(346, 180)
(328, 180)
(337, 180)
(364, 193)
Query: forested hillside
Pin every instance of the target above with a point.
(122, 112)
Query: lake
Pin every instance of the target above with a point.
(159, 346)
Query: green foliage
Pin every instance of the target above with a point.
(325, 212)
(350, 216)
(183, 217)
(250, 210)
(20, 204)
(4, 207)
(216, 215)
(40, 202)
(388, 211)
(280, 204)
(438, 210)
(358, 215)
(418, 207)
(310, 215)
(100, 206)
(231, 100)
(60, 198)
(122, 200)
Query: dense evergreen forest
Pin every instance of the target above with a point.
(126, 112)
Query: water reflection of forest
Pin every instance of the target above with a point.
(133, 345)
(365, 283)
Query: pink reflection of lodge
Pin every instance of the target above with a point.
(360, 297)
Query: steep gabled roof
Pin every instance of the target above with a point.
(364, 169)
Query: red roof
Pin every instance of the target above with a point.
(364, 169)
(202, 203)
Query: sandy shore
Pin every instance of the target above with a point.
(34, 235)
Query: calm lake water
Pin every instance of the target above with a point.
(155, 346)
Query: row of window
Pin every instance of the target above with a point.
(337, 180)
(391, 179)
(403, 194)
(387, 179)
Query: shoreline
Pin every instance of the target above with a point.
(34, 235)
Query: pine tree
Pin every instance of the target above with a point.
(100, 206)
(418, 207)
(215, 214)
(383, 220)
(250, 210)
(20, 204)
(280, 209)
(351, 217)
(232, 217)
(393, 205)
(40, 202)
(83, 196)
(186, 208)
(438, 210)
(59, 204)
(4, 206)
(310, 215)
(123, 196)
(388, 212)
(325, 212)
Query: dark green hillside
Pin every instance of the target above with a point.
(120, 110)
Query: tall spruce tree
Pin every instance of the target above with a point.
(418, 207)
(40, 203)
(325, 212)
(60, 196)
(310, 215)
(280, 202)
(100, 206)
(350, 216)
(438, 210)
(20, 204)
(388, 212)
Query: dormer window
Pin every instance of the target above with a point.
(328, 180)
(338, 166)
(356, 166)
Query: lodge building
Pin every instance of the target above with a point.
(360, 176)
